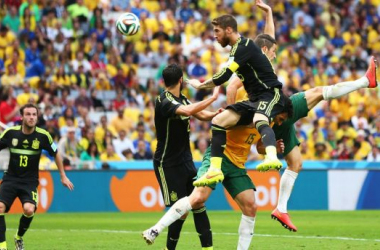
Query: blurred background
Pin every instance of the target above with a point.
(96, 88)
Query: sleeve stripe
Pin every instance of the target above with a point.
(42, 131)
(233, 66)
(8, 129)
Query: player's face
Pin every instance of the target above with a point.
(29, 119)
(271, 53)
(221, 36)
(280, 118)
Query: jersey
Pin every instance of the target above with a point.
(240, 139)
(25, 152)
(252, 66)
(173, 131)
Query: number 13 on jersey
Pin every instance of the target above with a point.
(23, 161)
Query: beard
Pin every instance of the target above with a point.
(26, 124)
(225, 41)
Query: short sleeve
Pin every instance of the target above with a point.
(4, 140)
(169, 105)
(50, 145)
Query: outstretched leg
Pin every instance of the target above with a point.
(3, 228)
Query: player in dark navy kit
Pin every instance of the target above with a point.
(266, 99)
(25, 143)
(173, 162)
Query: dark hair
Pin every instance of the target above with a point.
(29, 105)
(90, 146)
(171, 74)
(265, 40)
(225, 21)
(288, 107)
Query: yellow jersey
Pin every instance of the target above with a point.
(240, 139)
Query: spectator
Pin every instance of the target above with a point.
(202, 146)
(91, 153)
(109, 154)
(122, 143)
(122, 122)
(142, 153)
(68, 146)
(374, 155)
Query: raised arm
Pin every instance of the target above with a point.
(269, 23)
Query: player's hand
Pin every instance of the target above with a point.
(194, 83)
(280, 146)
(215, 93)
(67, 183)
(265, 7)
(220, 110)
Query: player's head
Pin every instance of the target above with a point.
(267, 44)
(29, 114)
(172, 75)
(287, 112)
(224, 27)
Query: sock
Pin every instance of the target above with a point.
(266, 132)
(218, 143)
(179, 208)
(286, 187)
(202, 225)
(3, 229)
(24, 225)
(246, 229)
(173, 234)
(343, 88)
(3, 244)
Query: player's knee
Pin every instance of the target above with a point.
(295, 166)
(250, 208)
(29, 209)
(3, 207)
(216, 120)
(197, 201)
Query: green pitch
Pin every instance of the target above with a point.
(89, 231)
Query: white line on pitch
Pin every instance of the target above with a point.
(216, 233)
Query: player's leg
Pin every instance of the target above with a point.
(270, 104)
(3, 228)
(247, 204)
(227, 119)
(315, 95)
(240, 186)
(180, 208)
(288, 178)
(8, 193)
(25, 221)
(28, 195)
(201, 220)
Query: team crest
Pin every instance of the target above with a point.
(14, 142)
(36, 144)
(173, 196)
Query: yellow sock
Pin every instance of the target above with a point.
(271, 152)
(216, 162)
(207, 248)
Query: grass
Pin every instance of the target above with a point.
(85, 231)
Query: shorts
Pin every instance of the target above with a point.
(25, 191)
(176, 182)
(270, 104)
(287, 131)
(236, 180)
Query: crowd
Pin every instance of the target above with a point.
(65, 55)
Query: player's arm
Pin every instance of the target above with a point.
(269, 23)
(279, 145)
(232, 88)
(239, 57)
(65, 181)
(194, 108)
(206, 115)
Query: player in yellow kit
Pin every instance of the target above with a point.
(236, 181)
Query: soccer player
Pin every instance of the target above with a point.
(266, 99)
(236, 181)
(173, 163)
(302, 103)
(25, 144)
